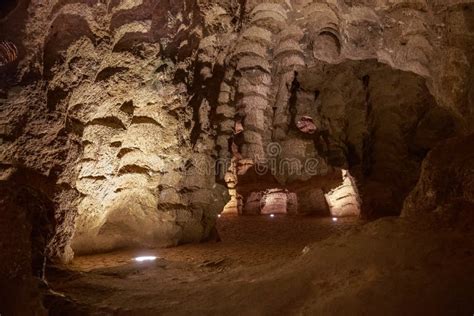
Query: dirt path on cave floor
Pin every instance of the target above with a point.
(381, 267)
(114, 283)
(246, 241)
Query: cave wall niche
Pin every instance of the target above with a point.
(327, 46)
(365, 119)
(271, 201)
(341, 201)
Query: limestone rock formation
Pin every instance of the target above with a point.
(344, 200)
(347, 66)
(446, 185)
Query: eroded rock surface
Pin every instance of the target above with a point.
(446, 186)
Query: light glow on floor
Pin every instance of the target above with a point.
(272, 215)
(145, 258)
(334, 219)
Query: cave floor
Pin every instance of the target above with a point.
(245, 241)
(280, 266)
(91, 283)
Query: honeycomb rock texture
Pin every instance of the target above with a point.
(115, 113)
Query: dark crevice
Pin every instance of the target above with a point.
(94, 177)
(132, 42)
(145, 120)
(125, 151)
(243, 5)
(116, 144)
(353, 158)
(108, 72)
(109, 121)
(134, 169)
(292, 102)
(213, 91)
(127, 107)
(54, 98)
(316, 95)
(195, 104)
(75, 126)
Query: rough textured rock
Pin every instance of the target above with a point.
(446, 185)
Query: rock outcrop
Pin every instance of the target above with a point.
(445, 189)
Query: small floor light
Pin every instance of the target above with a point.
(219, 215)
(272, 215)
(334, 219)
(145, 258)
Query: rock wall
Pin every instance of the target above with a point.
(445, 190)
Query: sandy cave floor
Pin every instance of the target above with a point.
(348, 267)
(246, 241)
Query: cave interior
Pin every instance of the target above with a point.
(300, 157)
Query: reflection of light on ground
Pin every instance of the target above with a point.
(145, 258)
(334, 219)
(272, 215)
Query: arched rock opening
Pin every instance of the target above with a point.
(360, 116)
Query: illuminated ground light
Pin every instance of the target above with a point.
(219, 215)
(272, 215)
(334, 219)
(145, 258)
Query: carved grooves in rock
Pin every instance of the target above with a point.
(323, 24)
(257, 62)
(295, 87)
(255, 82)
(8, 52)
